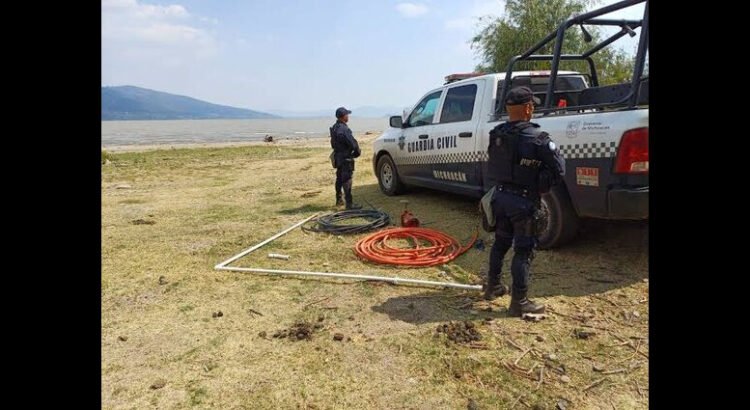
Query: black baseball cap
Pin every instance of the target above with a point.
(341, 111)
(521, 95)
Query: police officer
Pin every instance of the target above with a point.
(345, 149)
(523, 163)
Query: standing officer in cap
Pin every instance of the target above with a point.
(523, 163)
(345, 149)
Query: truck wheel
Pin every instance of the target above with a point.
(558, 222)
(388, 176)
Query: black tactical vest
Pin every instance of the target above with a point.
(512, 155)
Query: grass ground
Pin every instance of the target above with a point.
(168, 216)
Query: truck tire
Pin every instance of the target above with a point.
(388, 179)
(558, 223)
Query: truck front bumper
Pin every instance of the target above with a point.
(628, 203)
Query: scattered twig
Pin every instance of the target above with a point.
(541, 378)
(516, 401)
(606, 300)
(479, 380)
(533, 367)
(530, 333)
(638, 388)
(521, 356)
(636, 348)
(594, 384)
(634, 366)
(615, 371)
(480, 346)
(520, 371)
(317, 301)
(253, 311)
(566, 315)
(512, 343)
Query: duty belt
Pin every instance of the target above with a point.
(513, 189)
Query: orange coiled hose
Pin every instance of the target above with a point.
(430, 247)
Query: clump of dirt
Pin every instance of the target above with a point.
(460, 332)
(142, 222)
(310, 194)
(583, 334)
(301, 330)
(158, 384)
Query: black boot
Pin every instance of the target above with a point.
(339, 200)
(493, 289)
(520, 304)
(351, 205)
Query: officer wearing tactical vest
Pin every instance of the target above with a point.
(523, 164)
(345, 149)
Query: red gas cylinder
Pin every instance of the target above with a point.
(407, 218)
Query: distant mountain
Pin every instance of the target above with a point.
(365, 112)
(134, 103)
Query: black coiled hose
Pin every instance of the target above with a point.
(335, 223)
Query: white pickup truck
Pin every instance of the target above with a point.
(602, 132)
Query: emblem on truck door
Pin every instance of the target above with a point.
(572, 130)
(401, 142)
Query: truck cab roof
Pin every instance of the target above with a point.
(456, 78)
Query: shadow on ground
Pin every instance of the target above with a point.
(440, 306)
(304, 209)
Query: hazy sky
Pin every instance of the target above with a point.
(293, 54)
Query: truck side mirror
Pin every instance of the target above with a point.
(396, 121)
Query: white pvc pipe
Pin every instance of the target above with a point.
(252, 248)
(393, 280)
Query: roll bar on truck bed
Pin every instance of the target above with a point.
(631, 97)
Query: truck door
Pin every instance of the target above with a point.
(414, 143)
(455, 159)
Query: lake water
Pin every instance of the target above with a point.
(116, 133)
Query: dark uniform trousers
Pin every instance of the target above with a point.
(514, 226)
(344, 175)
